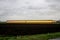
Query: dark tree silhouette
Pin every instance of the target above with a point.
(58, 22)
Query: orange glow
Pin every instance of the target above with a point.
(31, 21)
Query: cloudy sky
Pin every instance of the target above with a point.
(29, 10)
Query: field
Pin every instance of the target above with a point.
(32, 37)
(42, 36)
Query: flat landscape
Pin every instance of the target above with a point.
(29, 32)
(29, 10)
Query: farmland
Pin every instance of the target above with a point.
(28, 31)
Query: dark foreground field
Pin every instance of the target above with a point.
(29, 32)
(24, 29)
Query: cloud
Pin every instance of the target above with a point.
(29, 9)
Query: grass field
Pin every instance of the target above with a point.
(32, 37)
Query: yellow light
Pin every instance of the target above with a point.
(31, 21)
